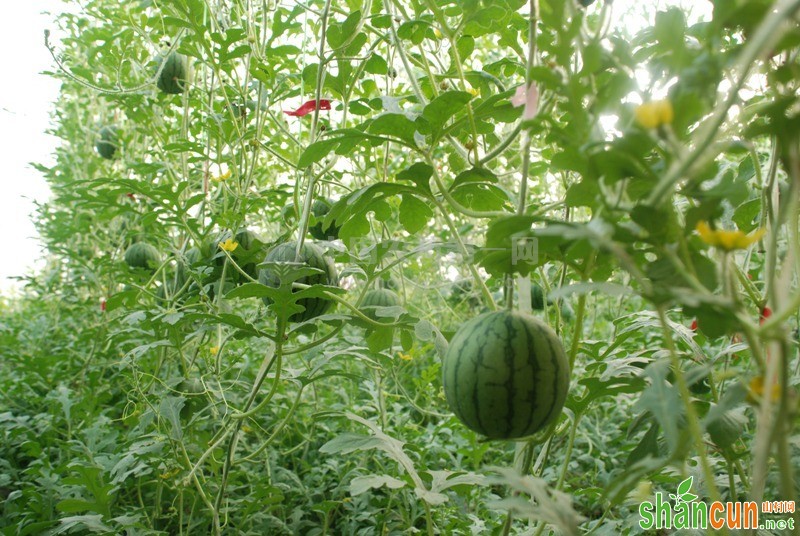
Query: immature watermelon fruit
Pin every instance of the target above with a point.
(172, 79)
(537, 298)
(195, 393)
(388, 282)
(506, 375)
(142, 255)
(727, 428)
(310, 255)
(193, 256)
(378, 298)
(161, 291)
(319, 208)
(288, 214)
(248, 252)
(109, 141)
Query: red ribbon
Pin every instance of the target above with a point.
(308, 107)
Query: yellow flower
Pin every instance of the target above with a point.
(653, 114)
(225, 176)
(228, 245)
(437, 33)
(169, 474)
(246, 429)
(756, 390)
(474, 91)
(214, 350)
(727, 240)
(404, 357)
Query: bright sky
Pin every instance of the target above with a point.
(26, 102)
(25, 105)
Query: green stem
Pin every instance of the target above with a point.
(568, 455)
(691, 415)
(280, 332)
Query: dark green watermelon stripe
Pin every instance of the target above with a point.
(535, 372)
(554, 367)
(511, 333)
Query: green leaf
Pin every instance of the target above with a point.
(474, 175)
(414, 214)
(583, 194)
(661, 223)
(376, 64)
(746, 214)
(406, 340)
(342, 141)
(355, 227)
(380, 339)
(441, 109)
(481, 196)
(465, 45)
(362, 484)
(71, 506)
(413, 31)
(252, 290)
(317, 151)
(425, 331)
(170, 409)
(418, 173)
(339, 33)
(349, 442)
(663, 402)
(394, 125)
(625, 480)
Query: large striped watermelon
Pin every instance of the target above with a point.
(310, 255)
(506, 375)
(378, 298)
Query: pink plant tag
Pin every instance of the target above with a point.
(530, 98)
